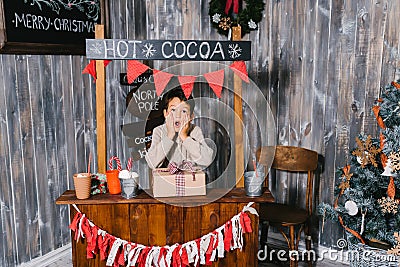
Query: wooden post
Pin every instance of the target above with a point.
(101, 107)
(237, 107)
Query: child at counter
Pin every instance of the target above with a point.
(178, 139)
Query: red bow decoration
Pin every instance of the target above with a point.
(235, 6)
(175, 168)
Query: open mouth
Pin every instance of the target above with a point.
(177, 124)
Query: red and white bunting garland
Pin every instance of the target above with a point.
(203, 250)
(161, 79)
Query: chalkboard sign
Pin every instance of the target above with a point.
(144, 104)
(194, 50)
(48, 26)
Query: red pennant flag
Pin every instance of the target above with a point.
(187, 83)
(106, 62)
(216, 81)
(239, 67)
(91, 69)
(161, 80)
(135, 68)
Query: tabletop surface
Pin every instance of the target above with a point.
(235, 195)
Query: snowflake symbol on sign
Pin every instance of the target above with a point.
(96, 48)
(234, 51)
(149, 50)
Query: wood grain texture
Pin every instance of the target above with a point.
(173, 224)
(101, 108)
(238, 119)
(139, 221)
(8, 230)
(157, 229)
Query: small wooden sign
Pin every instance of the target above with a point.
(194, 50)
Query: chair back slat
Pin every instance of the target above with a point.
(295, 159)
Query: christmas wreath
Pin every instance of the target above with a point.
(226, 14)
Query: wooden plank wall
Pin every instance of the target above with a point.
(320, 63)
(47, 130)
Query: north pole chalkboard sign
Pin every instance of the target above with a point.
(48, 26)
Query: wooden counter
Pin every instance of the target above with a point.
(149, 221)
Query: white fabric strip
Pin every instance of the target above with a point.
(235, 230)
(156, 253)
(137, 253)
(149, 258)
(204, 242)
(220, 247)
(250, 209)
(214, 252)
(113, 252)
(168, 257)
(80, 231)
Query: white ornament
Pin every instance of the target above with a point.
(216, 18)
(359, 159)
(252, 24)
(351, 207)
(388, 169)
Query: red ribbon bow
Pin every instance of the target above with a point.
(235, 6)
(175, 168)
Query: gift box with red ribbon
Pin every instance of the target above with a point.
(178, 180)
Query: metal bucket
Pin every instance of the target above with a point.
(129, 186)
(253, 183)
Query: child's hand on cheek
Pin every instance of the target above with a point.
(184, 131)
(169, 122)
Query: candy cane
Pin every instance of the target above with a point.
(110, 163)
(129, 165)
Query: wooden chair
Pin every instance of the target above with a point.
(290, 159)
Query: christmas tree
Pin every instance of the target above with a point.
(366, 204)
